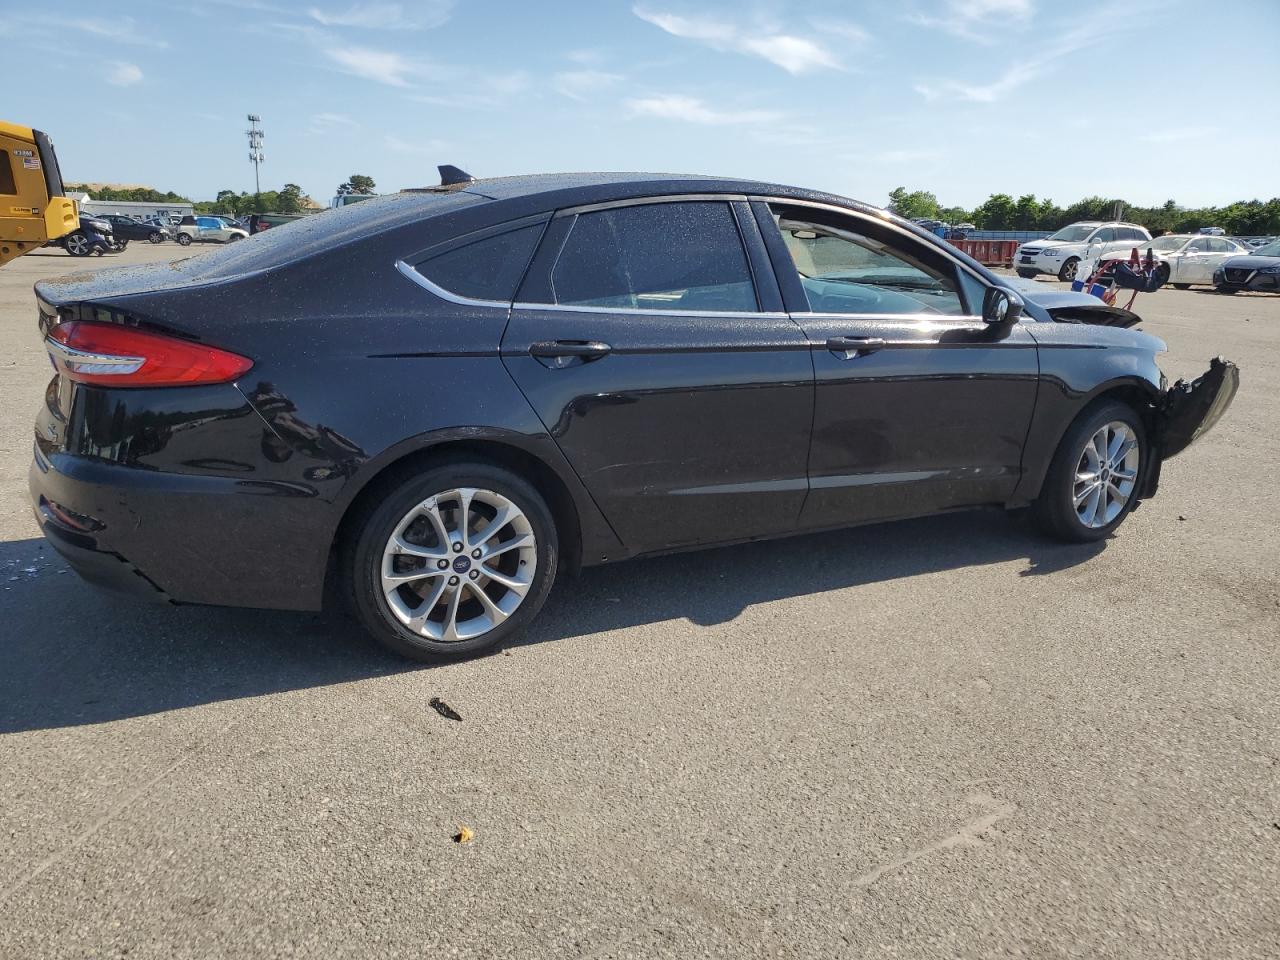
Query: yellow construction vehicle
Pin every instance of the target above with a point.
(33, 209)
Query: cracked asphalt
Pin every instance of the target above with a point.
(938, 738)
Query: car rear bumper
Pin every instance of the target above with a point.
(171, 537)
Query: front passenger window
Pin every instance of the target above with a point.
(847, 272)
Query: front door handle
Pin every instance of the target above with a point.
(850, 347)
(564, 353)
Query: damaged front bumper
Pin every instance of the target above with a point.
(1189, 410)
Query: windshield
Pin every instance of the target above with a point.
(1075, 233)
(1166, 244)
(1271, 249)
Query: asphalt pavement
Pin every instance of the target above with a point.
(938, 738)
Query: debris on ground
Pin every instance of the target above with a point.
(464, 835)
(445, 710)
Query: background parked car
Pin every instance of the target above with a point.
(1060, 253)
(93, 235)
(1257, 270)
(207, 229)
(1193, 258)
(127, 228)
(257, 222)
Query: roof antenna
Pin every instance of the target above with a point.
(451, 176)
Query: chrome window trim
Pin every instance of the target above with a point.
(439, 291)
(646, 311)
(644, 201)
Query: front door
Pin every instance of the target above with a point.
(676, 385)
(919, 405)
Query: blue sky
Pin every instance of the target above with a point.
(1143, 99)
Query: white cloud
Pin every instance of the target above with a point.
(692, 110)
(428, 148)
(1015, 76)
(382, 66)
(329, 122)
(121, 30)
(792, 53)
(123, 74)
(582, 84)
(967, 18)
(474, 89)
(386, 16)
(1176, 134)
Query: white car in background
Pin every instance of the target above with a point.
(1192, 258)
(1061, 253)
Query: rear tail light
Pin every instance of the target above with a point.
(116, 356)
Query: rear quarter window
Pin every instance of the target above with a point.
(487, 269)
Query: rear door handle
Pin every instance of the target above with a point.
(850, 347)
(565, 353)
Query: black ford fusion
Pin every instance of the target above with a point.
(1258, 270)
(433, 401)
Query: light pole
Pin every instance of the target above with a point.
(256, 155)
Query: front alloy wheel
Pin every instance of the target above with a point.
(1106, 474)
(77, 244)
(1092, 482)
(1069, 269)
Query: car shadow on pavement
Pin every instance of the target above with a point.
(73, 654)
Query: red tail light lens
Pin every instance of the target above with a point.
(116, 356)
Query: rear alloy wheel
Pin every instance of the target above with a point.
(453, 562)
(1093, 480)
(156, 237)
(77, 244)
(1068, 271)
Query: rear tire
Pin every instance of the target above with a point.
(184, 239)
(1068, 271)
(156, 237)
(501, 581)
(1081, 500)
(234, 237)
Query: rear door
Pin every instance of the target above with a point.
(919, 405)
(650, 339)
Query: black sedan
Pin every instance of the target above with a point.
(431, 402)
(127, 228)
(1259, 270)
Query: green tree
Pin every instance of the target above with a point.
(357, 183)
(998, 213)
(915, 205)
(289, 199)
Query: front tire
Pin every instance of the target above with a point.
(451, 562)
(1069, 269)
(184, 239)
(1027, 274)
(1182, 286)
(1092, 483)
(77, 244)
(1228, 290)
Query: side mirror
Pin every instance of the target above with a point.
(1001, 307)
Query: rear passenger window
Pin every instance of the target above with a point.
(487, 269)
(664, 256)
